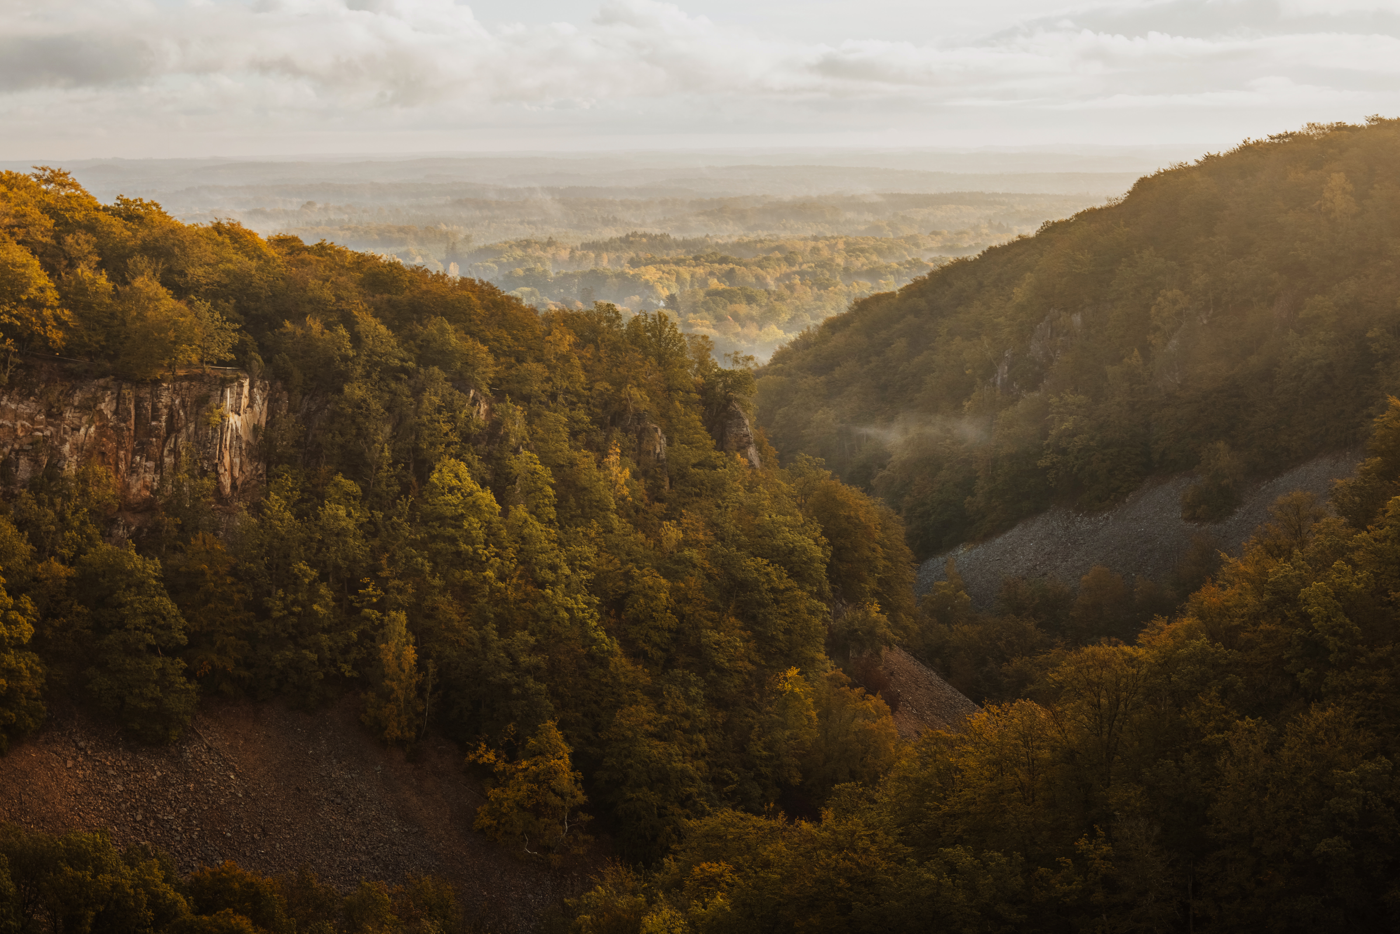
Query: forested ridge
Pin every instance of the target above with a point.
(521, 529)
(1234, 316)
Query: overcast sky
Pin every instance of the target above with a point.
(92, 78)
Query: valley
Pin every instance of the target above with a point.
(315, 559)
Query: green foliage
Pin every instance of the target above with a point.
(1231, 770)
(21, 671)
(1247, 300)
(81, 883)
(393, 710)
(29, 306)
(484, 518)
(213, 890)
(1217, 493)
(124, 624)
(536, 798)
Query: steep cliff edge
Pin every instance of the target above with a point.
(54, 417)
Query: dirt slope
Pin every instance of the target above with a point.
(926, 701)
(275, 789)
(1144, 536)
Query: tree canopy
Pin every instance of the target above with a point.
(491, 521)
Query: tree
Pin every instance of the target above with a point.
(133, 632)
(536, 798)
(213, 890)
(855, 739)
(1216, 494)
(29, 305)
(210, 337)
(21, 671)
(81, 883)
(203, 580)
(152, 333)
(393, 709)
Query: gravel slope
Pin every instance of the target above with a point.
(926, 701)
(275, 789)
(1144, 536)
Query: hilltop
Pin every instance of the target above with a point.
(1235, 316)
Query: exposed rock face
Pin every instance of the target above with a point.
(734, 434)
(53, 417)
(651, 445)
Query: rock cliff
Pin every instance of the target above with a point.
(733, 433)
(54, 417)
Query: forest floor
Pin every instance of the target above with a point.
(276, 789)
(1144, 536)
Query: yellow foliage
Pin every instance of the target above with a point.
(393, 709)
(536, 798)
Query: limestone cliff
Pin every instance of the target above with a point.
(53, 416)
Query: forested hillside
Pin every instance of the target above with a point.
(1233, 316)
(1232, 768)
(547, 535)
(556, 538)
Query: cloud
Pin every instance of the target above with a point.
(264, 65)
(71, 60)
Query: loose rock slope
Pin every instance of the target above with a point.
(276, 789)
(1145, 536)
(926, 701)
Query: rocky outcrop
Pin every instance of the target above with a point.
(733, 433)
(651, 446)
(53, 417)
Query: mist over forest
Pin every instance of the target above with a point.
(748, 248)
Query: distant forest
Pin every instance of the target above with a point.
(1235, 317)
(751, 273)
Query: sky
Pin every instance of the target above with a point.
(263, 78)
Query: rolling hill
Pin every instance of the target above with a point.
(1236, 316)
